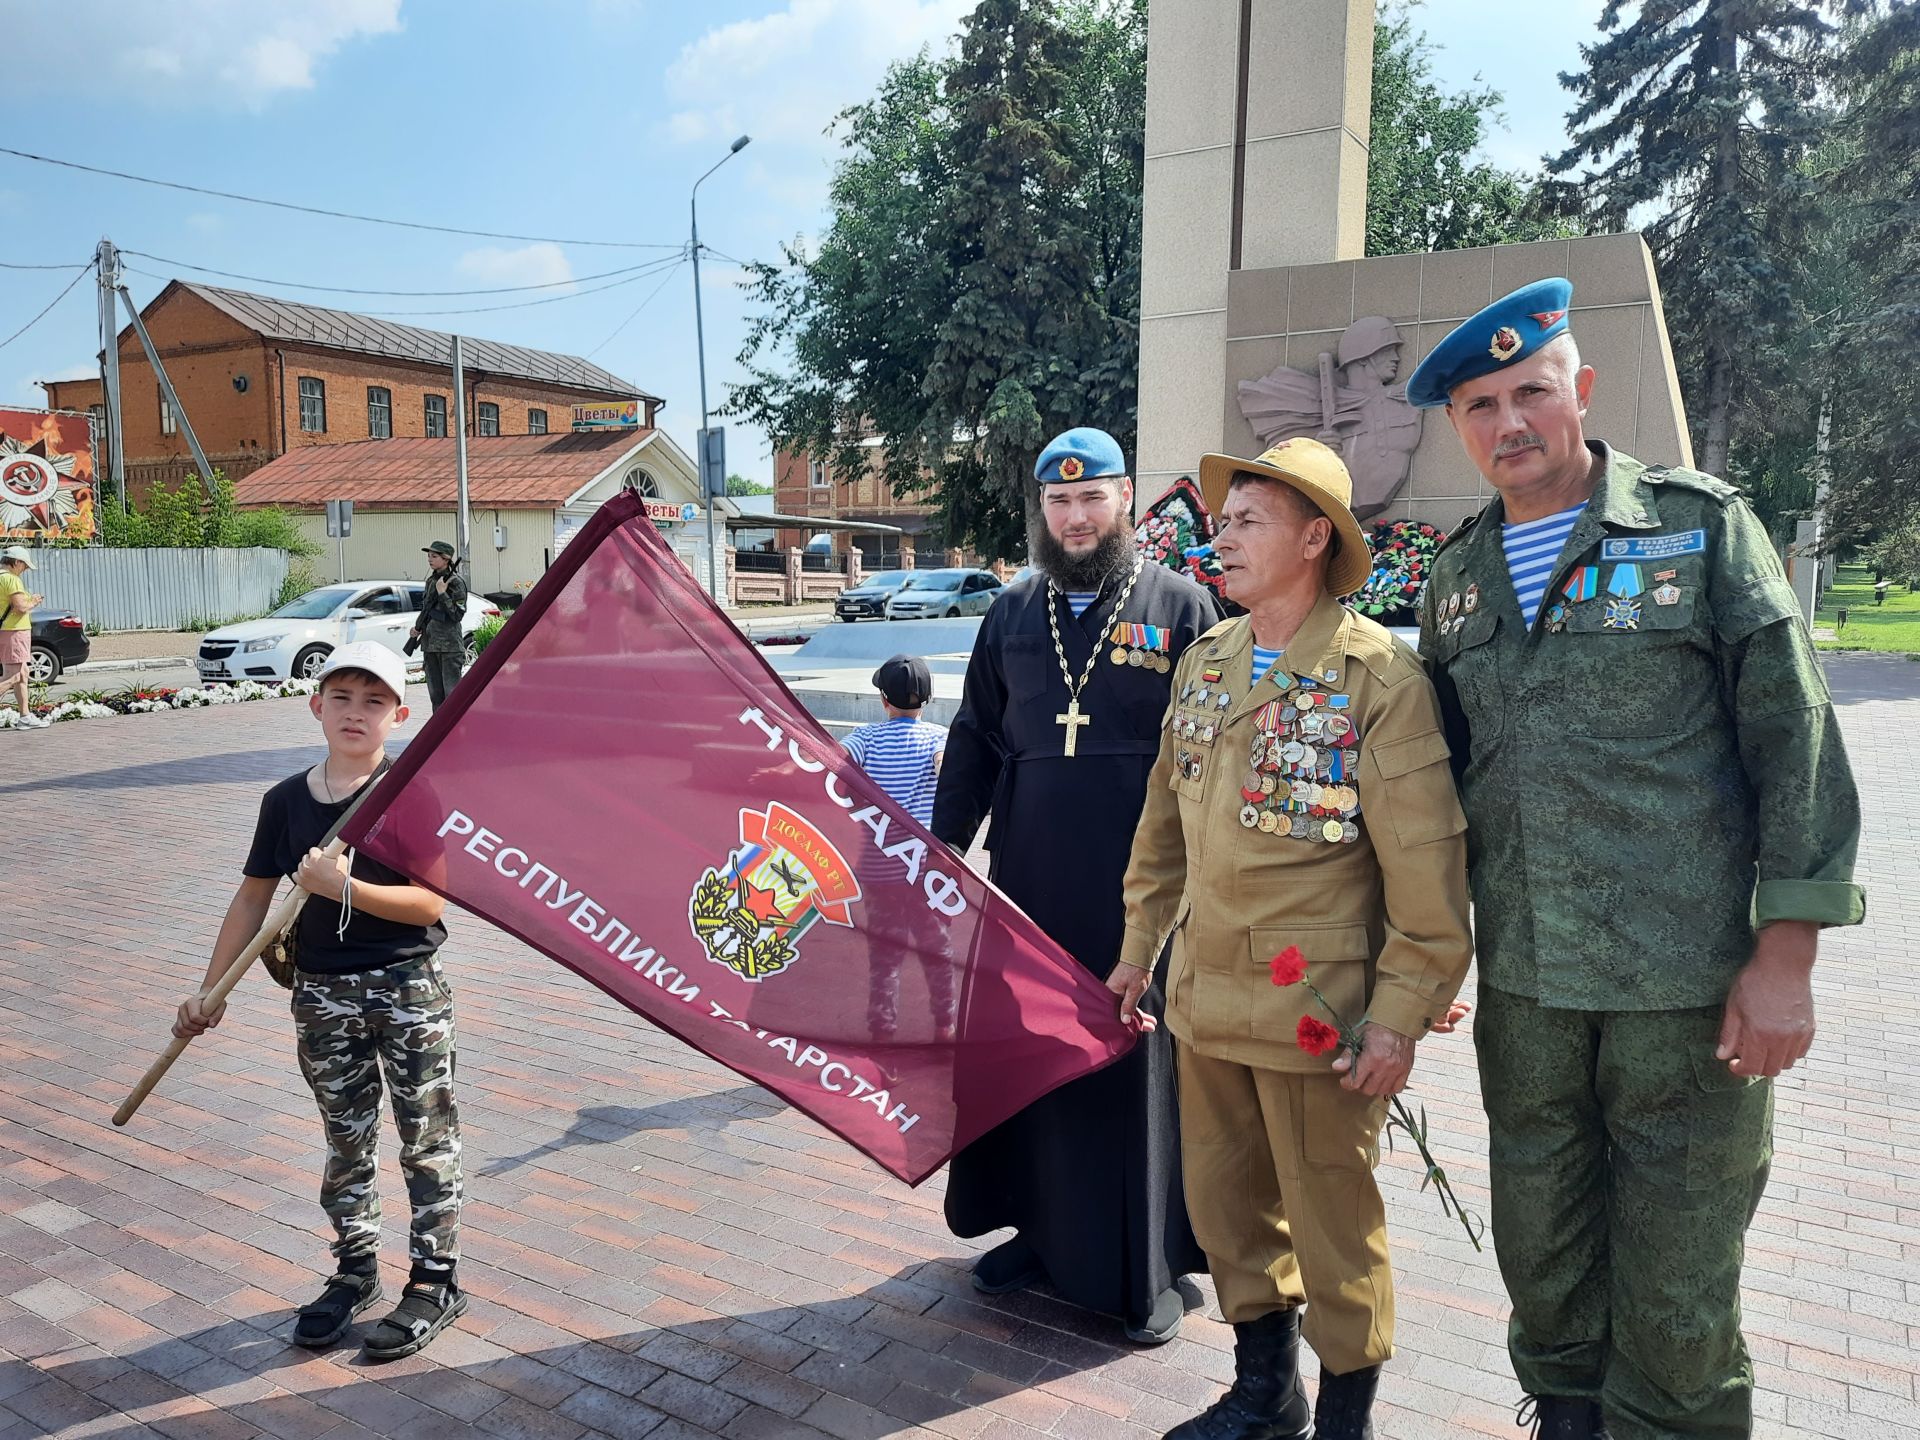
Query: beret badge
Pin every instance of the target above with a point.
(1071, 468)
(1505, 345)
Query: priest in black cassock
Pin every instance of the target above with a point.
(1058, 728)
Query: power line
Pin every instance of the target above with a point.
(405, 294)
(635, 315)
(318, 210)
(652, 267)
(50, 304)
(16, 265)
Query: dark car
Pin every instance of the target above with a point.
(58, 642)
(868, 599)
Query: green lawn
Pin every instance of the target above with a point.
(1894, 626)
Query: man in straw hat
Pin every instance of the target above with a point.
(1301, 809)
(1663, 818)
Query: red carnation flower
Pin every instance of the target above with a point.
(1316, 1037)
(1289, 967)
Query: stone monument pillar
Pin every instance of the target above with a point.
(1256, 158)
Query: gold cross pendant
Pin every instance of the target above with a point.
(1073, 720)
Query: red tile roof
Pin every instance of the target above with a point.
(510, 472)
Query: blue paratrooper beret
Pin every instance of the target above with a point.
(1082, 453)
(1512, 328)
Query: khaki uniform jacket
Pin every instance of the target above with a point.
(1381, 919)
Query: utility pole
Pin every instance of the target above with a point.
(107, 267)
(716, 569)
(178, 410)
(460, 534)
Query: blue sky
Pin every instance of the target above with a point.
(581, 119)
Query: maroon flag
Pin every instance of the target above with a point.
(624, 783)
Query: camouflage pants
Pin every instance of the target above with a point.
(443, 669)
(1626, 1163)
(351, 1029)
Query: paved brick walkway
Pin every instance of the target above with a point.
(657, 1249)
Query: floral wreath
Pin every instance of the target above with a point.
(1403, 552)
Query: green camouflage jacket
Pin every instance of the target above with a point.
(1654, 768)
(441, 616)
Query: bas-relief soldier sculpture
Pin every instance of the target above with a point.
(1365, 415)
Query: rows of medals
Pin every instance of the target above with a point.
(1301, 760)
(1141, 645)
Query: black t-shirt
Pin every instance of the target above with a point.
(291, 823)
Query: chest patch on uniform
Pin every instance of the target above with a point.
(1655, 547)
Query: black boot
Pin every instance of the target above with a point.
(1267, 1401)
(1562, 1417)
(1343, 1410)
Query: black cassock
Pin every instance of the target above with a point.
(1089, 1174)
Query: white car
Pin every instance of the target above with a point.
(294, 641)
(936, 594)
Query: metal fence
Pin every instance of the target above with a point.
(158, 589)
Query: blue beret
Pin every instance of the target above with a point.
(1510, 329)
(1080, 454)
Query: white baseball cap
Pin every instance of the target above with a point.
(376, 659)
(18, 552)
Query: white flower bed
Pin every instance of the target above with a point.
(191, 698)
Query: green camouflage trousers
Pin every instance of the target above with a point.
(351, 1029)
(1626, 1163)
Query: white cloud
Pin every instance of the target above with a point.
(542, 263)
(786, 74)
(237, 52)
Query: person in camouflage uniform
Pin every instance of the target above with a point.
(443, 615)
(1661, 817)
(370, 1000)
(351, 1030)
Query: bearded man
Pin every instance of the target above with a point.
(1058, 729)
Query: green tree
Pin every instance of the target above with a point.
(978, 287)
(185, 517)
(1873, 333)
(741, 485)
(1425, 189)
(1700, 114)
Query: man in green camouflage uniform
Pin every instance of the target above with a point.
(443, 615)
(1661, 816)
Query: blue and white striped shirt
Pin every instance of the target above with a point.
(1080, 600)
(1263, 661)
(1533, 550)
(898, 754)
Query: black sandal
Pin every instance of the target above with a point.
(328, 1318)
(426, 1308)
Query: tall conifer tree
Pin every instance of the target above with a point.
(1696, 115)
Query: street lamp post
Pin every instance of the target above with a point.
(716, 573)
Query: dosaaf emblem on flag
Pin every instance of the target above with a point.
(785, 878)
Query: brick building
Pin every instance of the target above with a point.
(804, 485)
(259, 377)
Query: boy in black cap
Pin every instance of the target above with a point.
(902, 755)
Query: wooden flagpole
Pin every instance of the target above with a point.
(282, 916)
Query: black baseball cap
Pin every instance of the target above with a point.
(905, 682)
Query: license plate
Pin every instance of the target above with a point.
(210, 667)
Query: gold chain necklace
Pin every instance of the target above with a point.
(1074, 718)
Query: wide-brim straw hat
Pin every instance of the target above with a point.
(1316, 472)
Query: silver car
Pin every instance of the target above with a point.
(932, 594)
